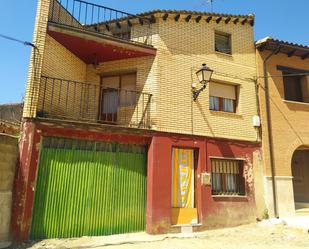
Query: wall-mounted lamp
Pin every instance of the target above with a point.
(95, 61)
(204, 76)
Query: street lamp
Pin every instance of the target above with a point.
(204, 76)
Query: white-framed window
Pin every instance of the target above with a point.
(222, 97)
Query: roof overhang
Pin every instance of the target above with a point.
(93, 47)
(290, 49)
(198, 16)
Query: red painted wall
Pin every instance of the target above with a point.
(212, 212)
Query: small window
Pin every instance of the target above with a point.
(227, 177)
(223, 97)
(223, 43)
(296, 88)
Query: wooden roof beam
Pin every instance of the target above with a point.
(208, 19)
(305, 56)
(219, 19)
(198, 19)
(262, 47)
(152, 19)
(188, 18)
(291, 53)
(227, 20)
(176, 18)
(243, 22)
(278, 50)
(165, 16)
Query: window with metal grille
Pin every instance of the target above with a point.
(227, 177)
(223, 42)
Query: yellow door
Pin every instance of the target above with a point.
(183, 203)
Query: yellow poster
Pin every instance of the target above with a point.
(183, 178)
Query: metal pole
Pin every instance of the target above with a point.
(269, 128)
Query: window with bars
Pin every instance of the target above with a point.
(223, 43)
(227, 177)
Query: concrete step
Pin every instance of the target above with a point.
(300, 205)
(5, 244)
(187, 228)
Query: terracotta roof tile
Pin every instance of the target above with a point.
(286, 47)
(191, 12)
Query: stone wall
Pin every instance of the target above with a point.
(8, 156)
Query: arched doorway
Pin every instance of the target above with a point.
(300, 172)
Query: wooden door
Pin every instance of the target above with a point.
(183, 187)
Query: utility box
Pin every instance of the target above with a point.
(206, 178)
(256, 121)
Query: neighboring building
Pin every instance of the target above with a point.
(112, 140)
(10, 118)
(283, 71)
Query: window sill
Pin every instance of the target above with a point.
(295, 102)
(229, 114)
(230, 198)
(224, 54)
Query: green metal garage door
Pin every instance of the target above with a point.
(88, 189)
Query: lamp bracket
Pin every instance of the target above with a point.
(196, 93)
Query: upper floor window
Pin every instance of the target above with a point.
(222, 97)
(227, 177)
(296, 88)
(295, 83)
(223, 42)
(116, 92)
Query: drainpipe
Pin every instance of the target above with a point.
(270, 137)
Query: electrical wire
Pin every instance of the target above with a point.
(237, 64)
(17, 40)
(283, 76)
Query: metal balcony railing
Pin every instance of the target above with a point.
(100, 19)
(77, 101)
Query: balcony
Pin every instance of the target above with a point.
(97, 33)
(61, 99)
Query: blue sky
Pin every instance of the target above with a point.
(283, 19)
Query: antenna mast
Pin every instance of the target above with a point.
(211, 4)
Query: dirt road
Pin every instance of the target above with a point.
(252, 236)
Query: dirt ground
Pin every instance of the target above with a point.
(244, 237)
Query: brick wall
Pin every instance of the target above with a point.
(181, 49)
(169, 76)
(35, 65)
(289, 120)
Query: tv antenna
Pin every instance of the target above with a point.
(211, 4)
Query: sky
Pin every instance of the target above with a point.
(282, 19)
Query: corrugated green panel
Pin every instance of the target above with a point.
(84, 192)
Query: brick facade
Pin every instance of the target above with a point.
(289, 126)
(289, 119)
(175, 119)
(169, 75)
